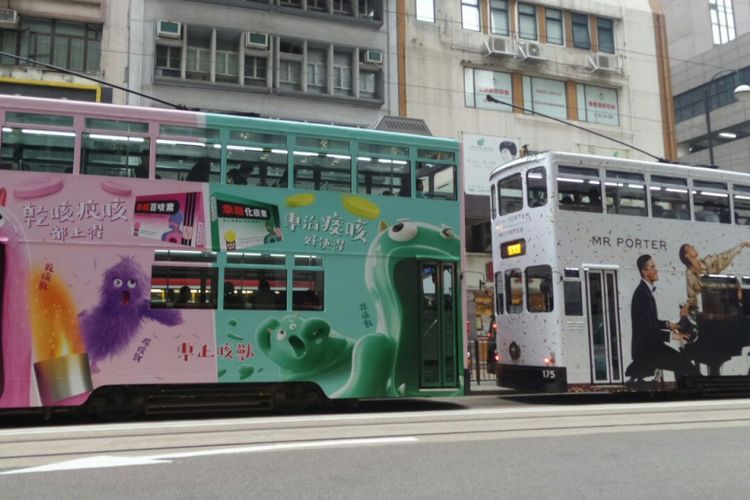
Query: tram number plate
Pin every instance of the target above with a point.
(548, 374)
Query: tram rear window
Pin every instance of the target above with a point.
(509, 195)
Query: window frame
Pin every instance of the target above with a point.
(576, 19)
(530, 18)
(557, 21)
(425, 11)
(499, 9)
(470, 8)
(605, 35)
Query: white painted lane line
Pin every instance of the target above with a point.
(103, 461)
(539, 410)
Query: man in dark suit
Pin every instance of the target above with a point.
(650, 333)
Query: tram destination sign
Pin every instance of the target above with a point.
(514, 248)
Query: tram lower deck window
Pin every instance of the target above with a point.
(539, 289)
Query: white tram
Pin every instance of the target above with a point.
(613, 273)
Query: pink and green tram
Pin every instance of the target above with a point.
(144, 251)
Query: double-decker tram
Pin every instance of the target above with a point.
(615, 274)
(144, 251)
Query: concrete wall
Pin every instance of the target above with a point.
(437, 54)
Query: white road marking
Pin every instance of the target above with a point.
(103, 461)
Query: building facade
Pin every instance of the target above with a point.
(709, 46)
(312, 60)
(479, 70)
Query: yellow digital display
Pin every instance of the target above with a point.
(513, 248)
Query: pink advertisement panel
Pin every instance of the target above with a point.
(76, 255)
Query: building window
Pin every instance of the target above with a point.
(256, 70)
(598, 105)
(554, 18)
(74, 46)
(367, 9)
(606, 35)
(581, 36)
(721, 93)
(227, 57)
(545, 96)
(199, 53)
(316, 71)
(342, 73)
(527, 21)
(342, 7)
(213, 55)
(470, 14)
(480, 83)
(168, 61)
(722, 20)
(426, 11)
(499, 24)
(368, 84)
(319, 5)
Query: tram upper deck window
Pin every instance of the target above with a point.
(188, 154)
(436, 175)
(579, 189)
(626, 193)
(669, 198)
(39, 143)
(536, 187)
(322, 164)
(711, 202)
(741, 205)
(116, 148)
(509, 194)
(257, 159)
(383, 170)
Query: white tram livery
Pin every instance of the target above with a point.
(614, 274)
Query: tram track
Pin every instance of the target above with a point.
(17, 448)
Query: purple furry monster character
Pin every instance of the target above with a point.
(124, 303)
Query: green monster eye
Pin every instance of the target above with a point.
(403, 231)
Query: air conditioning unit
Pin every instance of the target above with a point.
(531, 50)
(605, 62)
(8, 18)
(373, 57)
(497, 45)
(255, 40)
(168, 29)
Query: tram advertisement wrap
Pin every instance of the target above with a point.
(110, 282)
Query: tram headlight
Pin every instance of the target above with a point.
(515, 351)
(550, 360)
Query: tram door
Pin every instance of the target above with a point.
(438, 330)
(604, 326)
